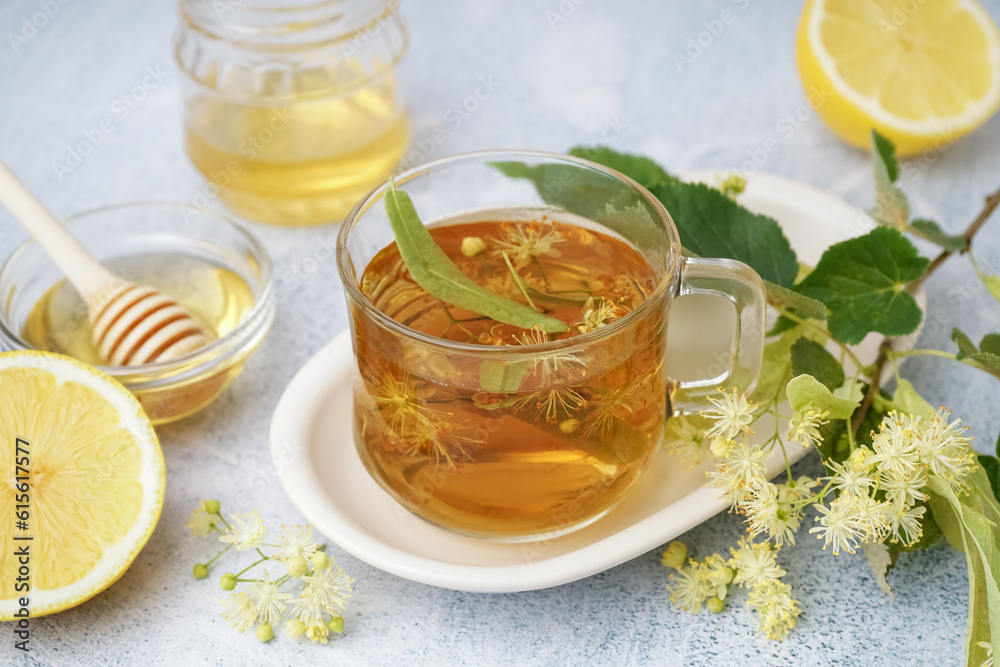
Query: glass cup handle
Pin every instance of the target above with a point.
(741, 285)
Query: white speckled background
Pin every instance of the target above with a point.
(607, 68)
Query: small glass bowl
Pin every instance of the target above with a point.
(172, 235)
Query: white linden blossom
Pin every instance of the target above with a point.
(776, 610)
(246, 532)
(688, 588)
(849, 480)
(872, 515)
(771, 509)
(761, 507)
(904, 523)
(740, 472)
(598, 316)
(732, 415)
(201, 523)
(268, 601)
(840, 525)
(525, 242)
(754, 564)
(805, 425)
(687, 440)
(331, 587)
(718, 575)
(553, 366)
(800, 489)
(945, 449)
(310, 611)
(895, 445)
(905, 492)
(295, 541)
(239, 610)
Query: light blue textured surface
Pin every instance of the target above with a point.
(607, 69)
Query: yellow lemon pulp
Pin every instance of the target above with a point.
(922, 72)
(95, 477)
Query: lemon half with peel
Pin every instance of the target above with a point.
(95, 480)
(922, 72)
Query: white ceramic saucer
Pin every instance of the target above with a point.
(313, 451)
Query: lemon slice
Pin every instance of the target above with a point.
(95, 481)
(922, 72)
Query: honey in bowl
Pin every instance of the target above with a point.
(513, 449)
(217, 298)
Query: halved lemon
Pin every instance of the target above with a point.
(81, 467)
(922, 72)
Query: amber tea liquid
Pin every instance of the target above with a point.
(529, 444)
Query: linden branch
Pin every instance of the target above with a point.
(990, 205)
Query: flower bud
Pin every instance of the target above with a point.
(297, 566)
(264, 632)
(721, 447)
(715, 605)
(320, 560)
(472, 246)
(336, 624)
(200, 571)
(228, 581)
(733, 185)
(212, 506)
(569, 425)
(675, 555)
(295, 628)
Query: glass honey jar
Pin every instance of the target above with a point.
(291, 107)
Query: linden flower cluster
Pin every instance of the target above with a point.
(326, 588)
(880, 491)
(878, 494)
(752, 566)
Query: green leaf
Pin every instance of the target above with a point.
(811, 358)
(993, 285)
(891, 205)
(965, 345)
(931, 231)
(782, 297)
(640, 169)
(989, 361)
(572, 188)
(712, 225)
(947, 521)
(906, 399)
(991, 466)
(776, 366)
(593, 195)
(834, 445)
(862, 282)
(806, 391)
(983, 557)
(990, 343)
(432, 269)
(885, 151)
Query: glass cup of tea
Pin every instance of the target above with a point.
(512, 434)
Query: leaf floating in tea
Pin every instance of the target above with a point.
(434, 271)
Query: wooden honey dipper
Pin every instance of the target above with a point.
(132, 324)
